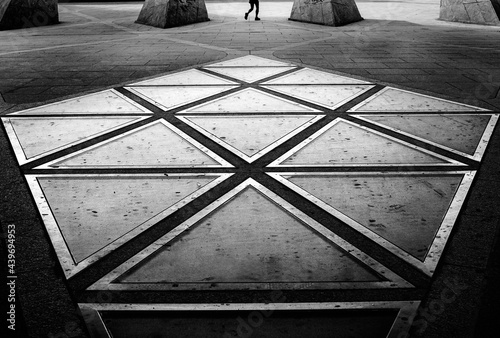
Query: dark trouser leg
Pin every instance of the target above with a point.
(256, 10)
(251, 9)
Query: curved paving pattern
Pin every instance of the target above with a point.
(249, 175)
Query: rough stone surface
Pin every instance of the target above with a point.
(326, 12)
(28, 13)
(483, 12)
(172, 13)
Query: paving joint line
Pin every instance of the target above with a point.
(156, 36)
(104, 22)
(359, 33)
(293, 45)
(65, 46)
(194, 29)
(206, 46)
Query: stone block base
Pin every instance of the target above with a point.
(483, 12)
(326, 12)
(172, 13)
(28, 13)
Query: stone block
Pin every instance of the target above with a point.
(482, 12)
(456, 13)
(328, 17)
(491, 17)
(475, 15)
(16, 14)
(172, 13)
(325, 12)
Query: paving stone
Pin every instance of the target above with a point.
(352, 71)
(440, 78)
(65, 90)
(27, 98)
(376, 59)
(437, 87)
(31, 90)
(472, 242)
(109, 81)
(390, 78)
(365, 65)
(489, 307)
(58, 82)
(414, 65)
(453, 296)
(400, 71)
(15, 203)
(483, 199)
(490, 169)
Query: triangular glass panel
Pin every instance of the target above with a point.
(250, 137)
(329, 96)
(185, 78)
(250, 101)
(174, 96)
(395, 100)
(410, 214)
(465, 134)
(157, 144)
(105, 102)
(250, 61)
(34, 137)
(311, 76)
(273, 243)
(342, 143)
(249, 74)
(89, 216)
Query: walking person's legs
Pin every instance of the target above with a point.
(251, 9)
(257, 11)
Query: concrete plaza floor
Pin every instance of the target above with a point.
(344, 92)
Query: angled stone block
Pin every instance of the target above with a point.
(456, 13)
(482, 12)
(172, 13)
(325, 12)
(491, 17)
(475, 14)
(28, 13)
